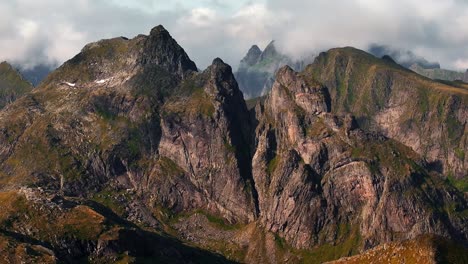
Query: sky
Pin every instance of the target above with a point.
(52, 31)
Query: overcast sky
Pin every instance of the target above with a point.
(52, 31)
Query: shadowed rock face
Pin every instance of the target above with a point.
(162, 50)
(127, 145)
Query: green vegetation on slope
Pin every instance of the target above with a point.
(12, 84)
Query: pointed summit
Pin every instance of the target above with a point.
(162, 50)
(270, 51)
(252, 56)
(159, 30)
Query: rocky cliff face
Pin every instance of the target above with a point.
(205, 132)
(12, 84)
(321, 180)
(430, 117)
(136, 156)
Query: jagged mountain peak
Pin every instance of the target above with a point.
(159, 29)
(112, 62)
(251, 57)
(220, 70)
(254, 49)
(161, 49)
(225, 84)
(270, 51)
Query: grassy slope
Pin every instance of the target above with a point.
(12, 84)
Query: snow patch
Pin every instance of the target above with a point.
(69, 84)
(102, 81)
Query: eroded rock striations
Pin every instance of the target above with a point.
(317, 174)
(136, 156)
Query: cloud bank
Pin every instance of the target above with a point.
(52, 31)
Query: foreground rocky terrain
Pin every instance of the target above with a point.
(126, 153)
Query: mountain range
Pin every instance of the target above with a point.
(256, 71)
(418, 64)
(127, 153)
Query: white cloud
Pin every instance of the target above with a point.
(47, 31)
(200, 17)
(461, 63)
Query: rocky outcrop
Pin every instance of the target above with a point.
(48, 228)
(423, 249)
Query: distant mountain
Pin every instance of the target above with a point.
(403, 57)
(256, 72)
(440, 74)
(12, 84)
(36, 74)
(417, 63)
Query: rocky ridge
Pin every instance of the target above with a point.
(430, 117)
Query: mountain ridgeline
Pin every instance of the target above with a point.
(12, 84)
(418, 64)
(127, 153)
